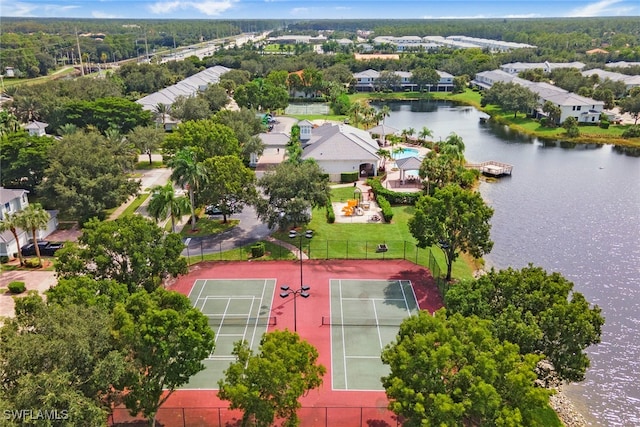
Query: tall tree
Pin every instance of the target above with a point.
(631, 105)
(164, 203)
(268, 384)
(511, 97)
(291, 191)
(11, 222)
(146, 139)
(60, 357)
(130, 250)
(97, 182)
(231, 184)
(539, 312)
(456, 220)
(23, 159)
(424, 77)
(167, 339)
(187, 172)
(206, 137)
(33, 218)
(453, 371)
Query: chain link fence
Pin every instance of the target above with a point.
(225, 417)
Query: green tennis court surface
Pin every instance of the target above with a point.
(238, 309)
(365, 316)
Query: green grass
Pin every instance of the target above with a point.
(207, 227)
(133, 207)
(272, 252)
(146, 166)
(546, 417)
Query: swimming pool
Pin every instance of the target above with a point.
(407, 152)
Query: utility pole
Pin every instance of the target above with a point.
(79, 53)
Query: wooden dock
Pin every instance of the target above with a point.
(492, 168)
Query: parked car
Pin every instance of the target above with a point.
(46, 248)
(212, 210)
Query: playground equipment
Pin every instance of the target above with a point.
(352, 208)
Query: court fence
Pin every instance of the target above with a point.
(337, 249)
(224, 417)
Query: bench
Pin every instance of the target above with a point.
(382, 248)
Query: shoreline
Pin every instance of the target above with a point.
(566, 410)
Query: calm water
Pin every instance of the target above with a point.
(571, 209)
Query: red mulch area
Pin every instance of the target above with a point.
(323, 407)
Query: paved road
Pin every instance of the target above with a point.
(249, 230)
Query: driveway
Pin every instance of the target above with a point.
(34, 280)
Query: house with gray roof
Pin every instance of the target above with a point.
(187, 87)
(13, 201)
(629, 81)
(339, 148)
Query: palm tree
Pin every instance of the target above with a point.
(10, 222)
(33, 218)
(163, 203)
(425, 132)
(161, 110)
(385, 111)
(188, 172)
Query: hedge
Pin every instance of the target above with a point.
(257, 250)
(16, 287)
(385, 206)
(393, 197)
(331, 215)
(347, 177)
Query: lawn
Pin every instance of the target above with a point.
(207, 227)
(360, 240)
(272, 252)
(133, 207)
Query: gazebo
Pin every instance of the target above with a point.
(408, 163)
(383, 130)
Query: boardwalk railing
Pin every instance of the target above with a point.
(492, 168)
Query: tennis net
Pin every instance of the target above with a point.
(365, 321)
(241, 320)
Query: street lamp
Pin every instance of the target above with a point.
(304, 289)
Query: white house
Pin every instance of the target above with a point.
(11, 202)
(366, 81)
(36, 128)
(629, 81)
(339, 148)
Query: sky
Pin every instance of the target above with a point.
(318, 9)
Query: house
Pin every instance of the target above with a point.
(36, 128)
(585, 110)
(547, 67)
(11, 202)
(339, 148)
(629, 81)
(366, 81)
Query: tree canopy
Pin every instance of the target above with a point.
(167, 339)
(267, 385)
(291, 190)
(511, 97)
(23, 159)
(455, 219)
(538, 311)
(206, 137)
(451, 370)
(131, 250)
(84, 178)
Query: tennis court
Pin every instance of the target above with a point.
(365, 316)
(237, 309)
(308, 109)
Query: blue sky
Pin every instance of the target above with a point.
(304, 9)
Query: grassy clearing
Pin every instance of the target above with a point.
(272, 252)
(207, 227)
(133, 206)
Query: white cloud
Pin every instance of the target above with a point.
(103, 15)
(300, 11)
(601, 8)
(10, 8)
(209, 8)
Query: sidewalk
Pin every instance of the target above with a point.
(294, 249)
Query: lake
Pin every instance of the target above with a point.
(570, 208)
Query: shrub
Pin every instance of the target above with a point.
(257, 250)
(331, 215)
(347, 177)
(385, 206)
(632, 132)
(604, 124)
(4, 259)
(573, 131)
(16, 287)
(395, 198)
(32, 263)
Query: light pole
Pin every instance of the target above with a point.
(303, 291)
